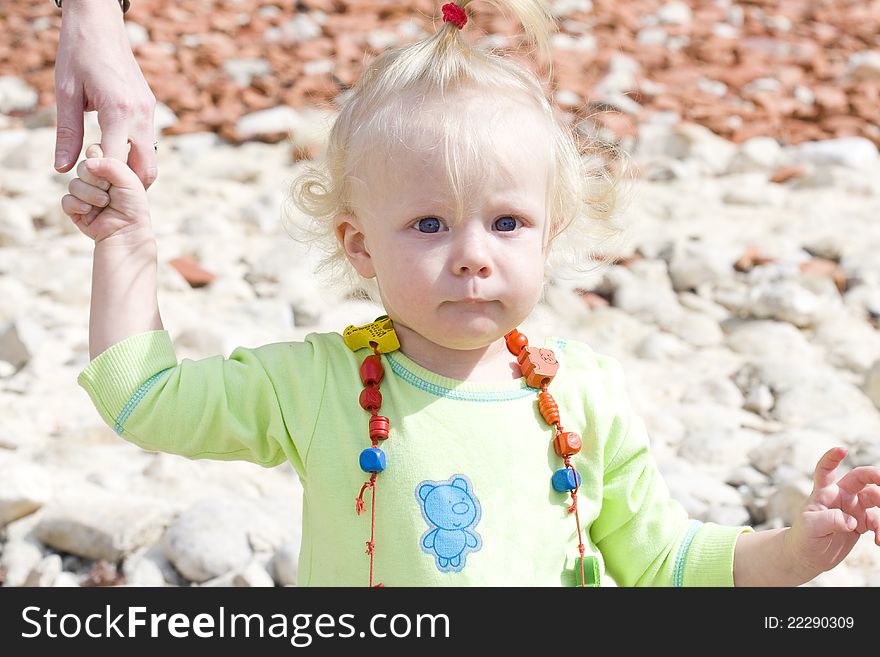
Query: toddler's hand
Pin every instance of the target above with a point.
(835, 515)
(107, 198)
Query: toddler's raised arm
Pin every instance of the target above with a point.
(108, 203)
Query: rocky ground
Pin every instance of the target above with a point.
(745, 307)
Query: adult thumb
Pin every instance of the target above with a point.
(68, 134)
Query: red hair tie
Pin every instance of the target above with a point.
(454, 14)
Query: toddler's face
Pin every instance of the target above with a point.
(460, 284)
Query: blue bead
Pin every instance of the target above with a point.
(564, 480)
(372, 460)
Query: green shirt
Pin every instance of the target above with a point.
(466, 498)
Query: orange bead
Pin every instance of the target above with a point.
(567, 443)
(370, 399)
(547, 406)
(515, 342)
(379, 427)
(538, 366)
(372, 370)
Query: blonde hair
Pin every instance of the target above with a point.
(378, 114)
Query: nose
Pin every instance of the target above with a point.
(471, 255)
(460, 508)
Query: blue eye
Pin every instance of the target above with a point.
(505, 224)
(428, 225)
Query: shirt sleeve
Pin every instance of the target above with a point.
(219, 408)
(645, 536)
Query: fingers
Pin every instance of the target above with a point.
(72, 206)
(857, 478)
(85, 193)
(869, 497)
(828, 521)
(142, 158)
(872, 518)
(824, 474)
(114, 132)
(69, 133)
(114, 172)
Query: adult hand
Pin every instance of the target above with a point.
(95, 70)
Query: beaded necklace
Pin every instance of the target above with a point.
(537, 365)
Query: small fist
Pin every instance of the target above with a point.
(107, 198)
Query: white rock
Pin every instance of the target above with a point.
(266, 122)
(853, 152)
(19, 558)
(12, 347)
(693, 141)
(643, 290)
(25, 488)
(149, 567)
(799, 449)
(582, 43)
(787, 500)
(693, 263)
(695, 328)
(675, 13)
(758, 154)
(850, 342)
(864, 65)
(253, 575)
(753, 190)
(213, 537)
(45, 572)
(243, 70)
(137, 33)
(561, 8)
(16, 95)
(101, 527)
(768, 338)
(661, 345)
(872, 383)
(758, 398)
(718, 448)
(16, 225)
(285, 564)
(819, 397)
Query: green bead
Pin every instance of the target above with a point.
(591, 571)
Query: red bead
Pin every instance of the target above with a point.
(515, 342)
(547, 406)
(372, 370)
(379, 427)
(567, 443)
(371, 399)
(538, 366)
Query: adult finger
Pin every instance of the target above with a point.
(69, 131)
(824, 474)
(114, 122)
(143, 157)
(857, 478)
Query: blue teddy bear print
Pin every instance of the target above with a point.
(451, 510)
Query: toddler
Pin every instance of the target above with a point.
(458, 451)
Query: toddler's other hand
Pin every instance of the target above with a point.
(107, 199)
(835, 514)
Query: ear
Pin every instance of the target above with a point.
(354, 244)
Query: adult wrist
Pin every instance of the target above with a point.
(123, 4)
